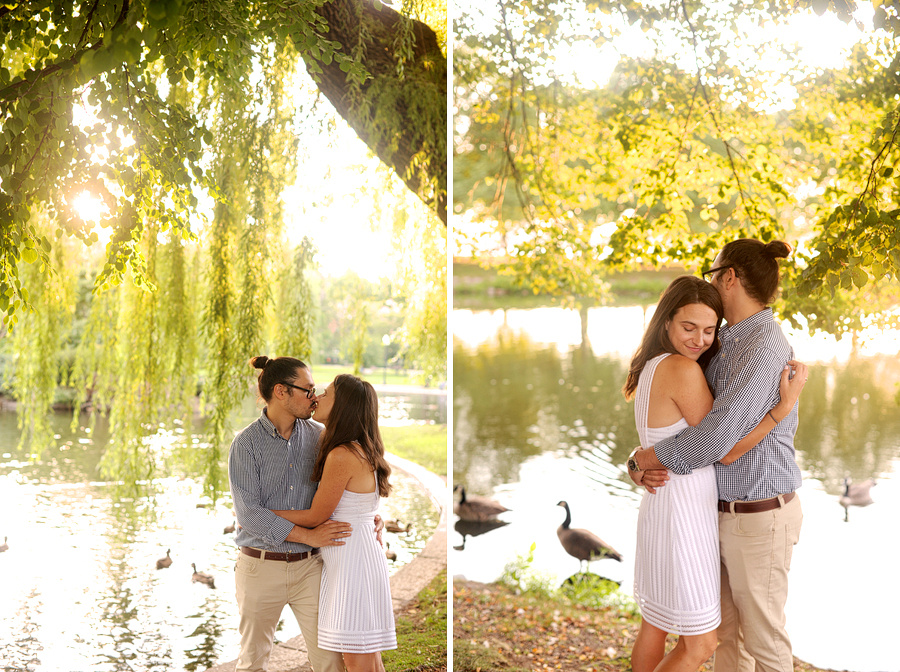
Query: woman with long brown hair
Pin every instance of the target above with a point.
(676, 577)
(355, 612)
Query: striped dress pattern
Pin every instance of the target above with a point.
(676, 573)
(355, 610)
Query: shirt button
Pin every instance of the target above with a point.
(292, 487)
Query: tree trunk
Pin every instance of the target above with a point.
(401, 111)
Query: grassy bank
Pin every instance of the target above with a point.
(478, 288)
(425, 445)
(496, 627)
(422, 632)
(325, 373)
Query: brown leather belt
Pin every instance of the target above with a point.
(284, 557)
(755, 507)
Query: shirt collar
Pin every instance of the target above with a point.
(269, 427)
(746, 327)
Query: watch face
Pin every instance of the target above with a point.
(632, 464)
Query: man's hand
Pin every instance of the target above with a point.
(379, 526)
(329, 533)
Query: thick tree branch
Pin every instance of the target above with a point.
(399, 135)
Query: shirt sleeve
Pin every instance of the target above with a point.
(736, 411)
(246, 492)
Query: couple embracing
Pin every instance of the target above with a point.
(306, 499)
(716, 413)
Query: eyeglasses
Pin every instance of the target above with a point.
(710, 271)
(316, 391)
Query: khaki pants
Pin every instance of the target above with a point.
(263, 588)
(756, 551)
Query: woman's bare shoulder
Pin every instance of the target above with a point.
(346, 454)
(678, 366)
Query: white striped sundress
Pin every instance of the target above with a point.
(355, 610)
(676, 569)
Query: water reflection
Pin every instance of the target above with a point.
(208, 634)
(514, 399)
(472, 528)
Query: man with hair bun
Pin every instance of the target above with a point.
(759, 511)
(269, 467)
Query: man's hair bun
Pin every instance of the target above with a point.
(259, 362)
(778, 249)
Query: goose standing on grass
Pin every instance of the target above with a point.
(583, 544)
(476, 509)
(5, 546)
(229, 529)
(200, 577)
(162, 563)
(389, 554)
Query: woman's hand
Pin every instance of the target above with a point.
(789, 387)
(653, 479)
(648, 478)
(379, 526)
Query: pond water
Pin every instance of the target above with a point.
(538, 418)
(80, 589)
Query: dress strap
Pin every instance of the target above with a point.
(642, 396)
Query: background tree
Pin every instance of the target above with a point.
(687, 146)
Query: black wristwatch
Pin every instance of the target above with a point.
(633, 464)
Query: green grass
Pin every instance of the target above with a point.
(478, 288)
(425, 445)
(422, 632)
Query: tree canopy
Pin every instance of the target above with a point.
(159, 75)
(694, 140)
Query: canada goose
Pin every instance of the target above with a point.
(5, 546)
(396, 526)
(389, 554)
(229, 529)
(162, 563)
(857, 494)
(583, 544)
(203, 578)
(475, 508)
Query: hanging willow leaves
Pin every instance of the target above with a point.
(294, 309)
(37, 340)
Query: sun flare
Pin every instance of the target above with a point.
(89, 207)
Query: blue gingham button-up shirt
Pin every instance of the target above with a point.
(268, 472)
(745, 375)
